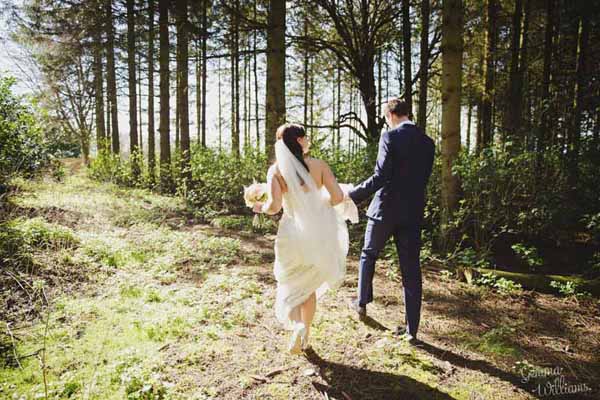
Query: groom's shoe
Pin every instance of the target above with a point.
(357, 308)
(406, 337)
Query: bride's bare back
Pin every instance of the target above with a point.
(321, 174)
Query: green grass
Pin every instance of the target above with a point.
(180, 315)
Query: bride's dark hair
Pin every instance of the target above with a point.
(290, 133)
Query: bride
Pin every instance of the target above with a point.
(312, 239)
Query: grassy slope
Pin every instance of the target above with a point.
(186, 311)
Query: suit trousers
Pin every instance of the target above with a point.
(407, 239)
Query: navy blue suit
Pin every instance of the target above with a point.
(403, 168)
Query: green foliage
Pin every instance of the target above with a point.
(505, 195)
(70, 389)
(529, 254)
(506, 191)
(503, 285)
(19, 238)
(218, 180)
(524, 368)
(130, 291)
(22, 147)
(569, 289)
(244, 223)
(446, 275)
(13, 246)
(39, 234)
(592, 223)
(593, 270)
(109, 167)
(507, 286)
(468, 257)
(499, 341)
(142, 385)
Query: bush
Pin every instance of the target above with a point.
(503, 285)
(569, 289)
(592, 224)
(109, 167)
(23, 150)
(106, 167)
(13, 247)
(529, 254)
(518, 195)
(218, 180)
(19, 238)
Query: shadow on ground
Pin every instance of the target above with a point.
(345, 382)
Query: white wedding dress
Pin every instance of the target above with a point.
(312, 239)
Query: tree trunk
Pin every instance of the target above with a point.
(513, 114)
(312, 101)
(140, 107)
(236, 66)
(523, 97)
(597, 133)
(478, 126)
(151, 140)
(469, 119)
(132, 83)
(245, 98)
(407, 56)
(165, 145)
(490, 66)
(255, 70)
(334, 115)
(545, 100)
(198, 75)
(99, 93)
(182, 88)
(424, 68)
(452, 50)
(108, 124)
(366, 86)
(204, 66)
(177, 109)
(578, 106)
(111, 79)
(406, 36)
(235, 111)
(305, 71)
(275, 98)
(220, 116)
(338, 106)
(387, 75)
(379, 82)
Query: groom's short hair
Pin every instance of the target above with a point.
(397, 106)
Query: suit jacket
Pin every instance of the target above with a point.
(403, 168)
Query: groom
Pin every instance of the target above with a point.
(403, 167)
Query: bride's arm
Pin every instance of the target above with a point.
(335, 191)
(274, 202)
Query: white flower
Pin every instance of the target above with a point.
(257, 192)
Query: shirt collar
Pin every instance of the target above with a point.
(408, 121)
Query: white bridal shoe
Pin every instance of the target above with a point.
(298, 338)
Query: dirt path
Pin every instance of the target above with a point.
(173, 309)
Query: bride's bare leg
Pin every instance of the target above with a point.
(308, 309)
(296, 314)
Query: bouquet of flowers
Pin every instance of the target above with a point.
(255, 193)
